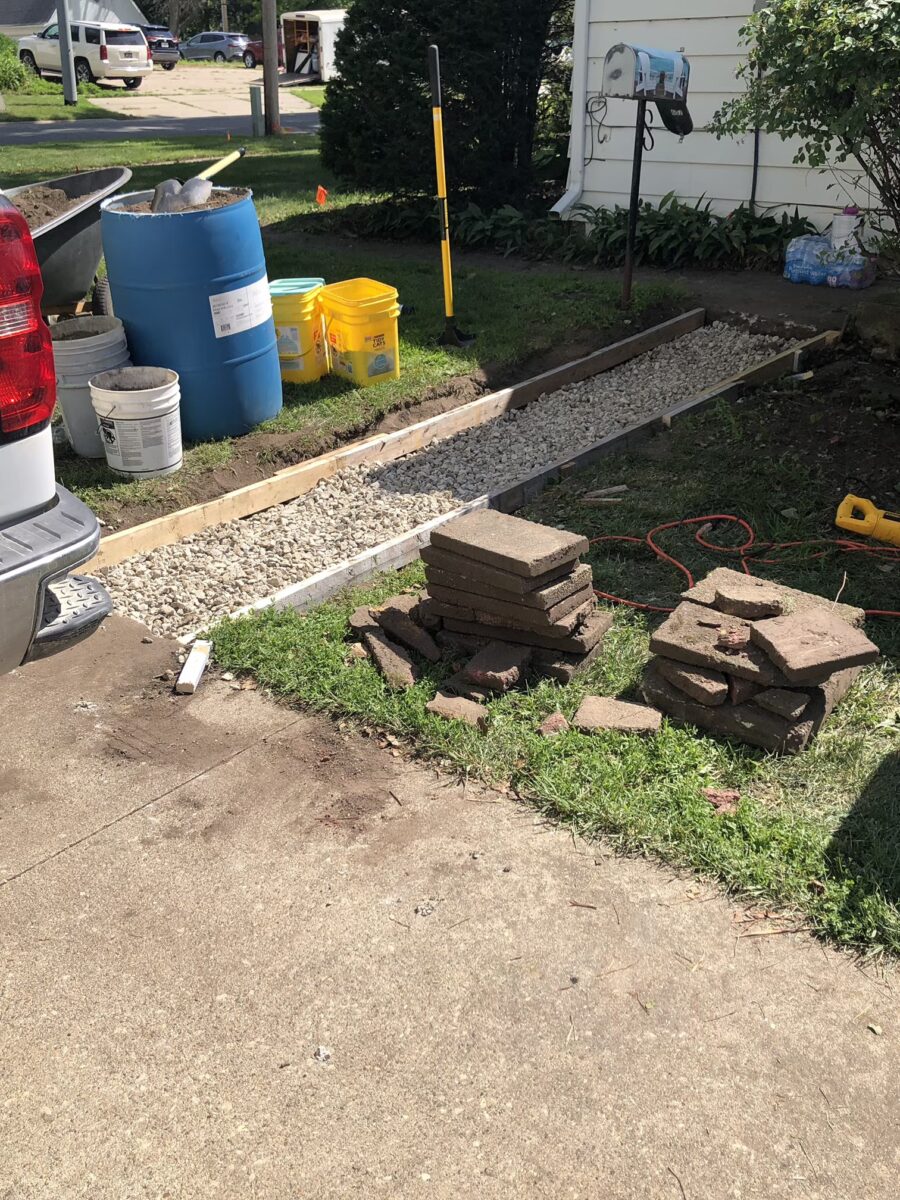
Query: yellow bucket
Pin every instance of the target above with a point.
(302, 351)
(361, 330)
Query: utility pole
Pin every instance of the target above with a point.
(270, 66)
(66, 62)
(224, 16)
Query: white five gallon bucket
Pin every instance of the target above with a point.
(138, 409)
(82, 348)
(844, 230)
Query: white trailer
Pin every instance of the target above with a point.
(309, 38)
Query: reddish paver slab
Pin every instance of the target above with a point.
(362, 619)
(596, 624)
(515, 614)
(403, 628)
(702, 685)
(426, 616)
(744, 722)
(547, 597)
(809, 646)
(459, 643)
(620, 716)
(522, 547)
(392, 660)
(458, 708)
(459, 685)
(793, 600)
(499, 666)
(486, 576)
(691, 635)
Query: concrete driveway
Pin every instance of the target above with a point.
(186, 102)
(246, 953)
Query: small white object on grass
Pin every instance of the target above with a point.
(192, 671)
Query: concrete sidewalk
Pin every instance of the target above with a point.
(202, 892)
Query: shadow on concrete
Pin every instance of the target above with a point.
(29, 133)
(865, 850)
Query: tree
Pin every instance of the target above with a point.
(826, 72)
(376, 122)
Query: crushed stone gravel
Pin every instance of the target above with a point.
(180, 588)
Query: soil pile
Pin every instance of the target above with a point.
(218, 199)
(40, 204)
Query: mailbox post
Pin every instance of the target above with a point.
(659, 77)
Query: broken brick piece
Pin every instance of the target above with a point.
(701, 684)
(733, 639)
(523, 547)
(457, 708)
(463, 643)
(809, 646)
(563, 667)
(402, 627)
(392, 660)
(723, 800)
(600, 712)
(553, 725)
(459, 685)
(741, 691)
(499, 666)
(749, 598)
(787, 704)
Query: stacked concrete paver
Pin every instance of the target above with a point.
(494, 578)
(756, 661)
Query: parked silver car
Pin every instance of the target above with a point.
(220, 47)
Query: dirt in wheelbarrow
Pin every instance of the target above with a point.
(40, 204)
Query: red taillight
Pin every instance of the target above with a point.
(27, 376)
(149, 55)
(104, 53)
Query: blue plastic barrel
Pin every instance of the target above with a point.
(192, 293)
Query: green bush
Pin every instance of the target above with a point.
(672, 234)
(376, 121)
(13, 75)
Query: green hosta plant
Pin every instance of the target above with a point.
(828, 73)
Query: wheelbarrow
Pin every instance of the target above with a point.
(68, 247)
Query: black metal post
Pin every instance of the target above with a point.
(635, 201)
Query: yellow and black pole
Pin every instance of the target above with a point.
(452, 335)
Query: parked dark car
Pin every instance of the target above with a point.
(163, 45)
(220, 47)
(253, 54)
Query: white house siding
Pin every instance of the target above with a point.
(720, 171)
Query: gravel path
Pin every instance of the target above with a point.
(179, 588)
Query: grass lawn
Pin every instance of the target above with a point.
(22, 107)
(516, 315)
(312, 95)
(818, 834)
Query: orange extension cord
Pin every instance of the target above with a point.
(890, 553)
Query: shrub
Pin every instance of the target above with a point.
(13, 75)
(376, 122)
(828, 73)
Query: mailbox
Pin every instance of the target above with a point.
(658, 76)
(639, 73)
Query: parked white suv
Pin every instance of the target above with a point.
(101, 50)
(45, 531)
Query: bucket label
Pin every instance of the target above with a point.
(241, 309)
(288, 339)
(142, 446)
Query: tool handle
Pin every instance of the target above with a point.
(222, 163)
(434, 74)
(857, 515)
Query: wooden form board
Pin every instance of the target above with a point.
(292, 482)
(400, 551)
